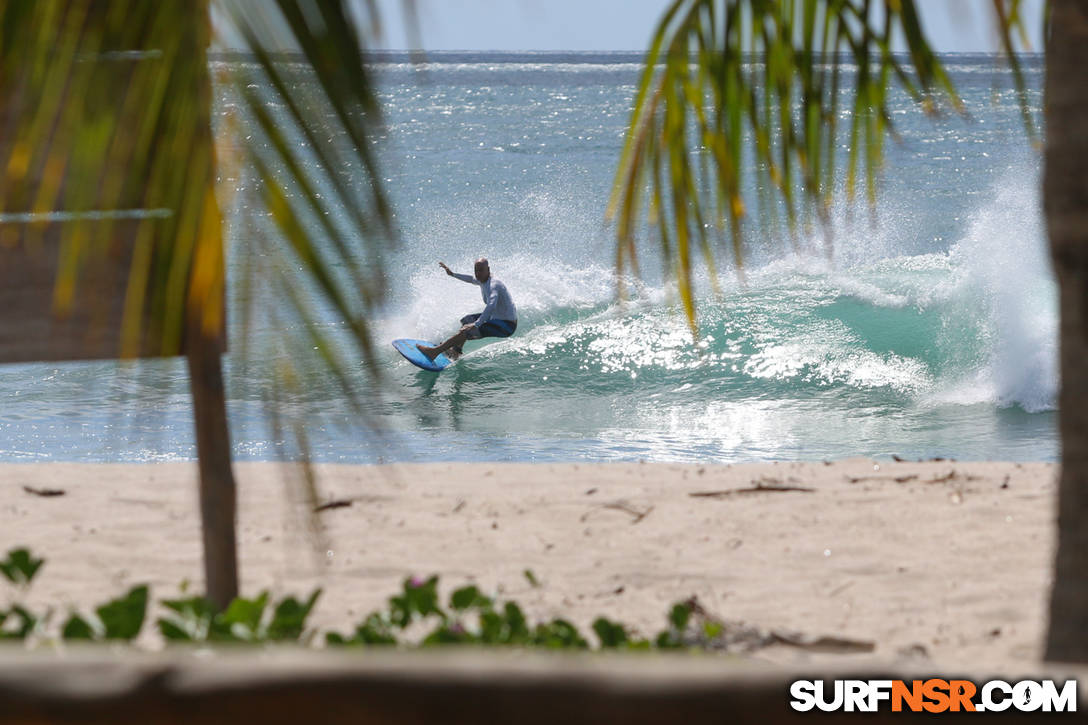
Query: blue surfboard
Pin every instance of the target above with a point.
(410, 350)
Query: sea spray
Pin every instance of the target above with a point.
(1006, 284)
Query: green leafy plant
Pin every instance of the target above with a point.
(468, 597)
(473, 618)
(194, 619)
(17, 623)
(415, 616)
(418, 598)
(20, 566)
(611, 634)
(118, 619)
(375, 630)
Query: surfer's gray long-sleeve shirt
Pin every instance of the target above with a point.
(498, 305)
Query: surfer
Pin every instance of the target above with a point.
(499, 318)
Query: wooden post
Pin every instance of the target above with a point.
(217, 488)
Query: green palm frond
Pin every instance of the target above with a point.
(1013, 37)
(107, 163)
(107, 143)
(108, 182)
(310, 120)
(748, 94)
(315, 218)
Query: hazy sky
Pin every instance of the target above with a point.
(952, 25)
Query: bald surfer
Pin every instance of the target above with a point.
(499, 318)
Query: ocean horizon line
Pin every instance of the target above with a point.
(589, 57)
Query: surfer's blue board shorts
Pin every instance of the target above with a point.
(491, 328)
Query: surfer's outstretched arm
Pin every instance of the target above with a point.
(463, 277)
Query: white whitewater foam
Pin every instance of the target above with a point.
(1005, 273)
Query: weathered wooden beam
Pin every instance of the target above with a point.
(404, 688)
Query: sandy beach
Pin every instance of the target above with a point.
(941, 561)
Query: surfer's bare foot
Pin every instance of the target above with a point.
(429, 352)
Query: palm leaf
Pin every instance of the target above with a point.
(316, 232)
(107, 154)
(769, 72)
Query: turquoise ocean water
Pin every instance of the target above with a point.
(929, 331)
